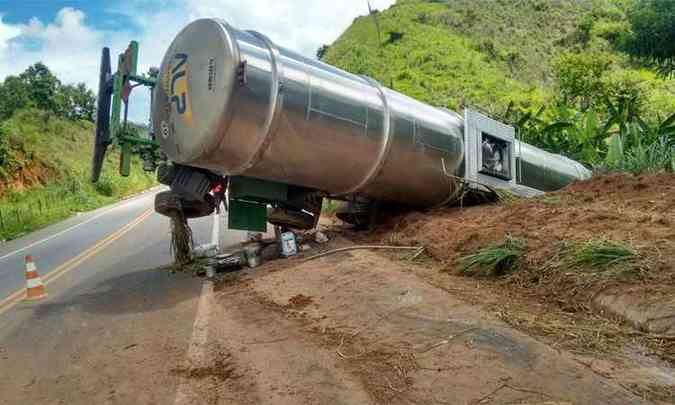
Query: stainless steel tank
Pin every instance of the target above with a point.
(235, 103)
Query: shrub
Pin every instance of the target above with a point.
(105, 186)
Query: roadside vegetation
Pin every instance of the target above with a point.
(589, 79)
(496, 259)
(46, 141)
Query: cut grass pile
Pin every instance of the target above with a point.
(594, 256)
(496, 259)
(600, 255)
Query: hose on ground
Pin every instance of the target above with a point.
(419, 250)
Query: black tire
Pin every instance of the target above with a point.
(103, 105)
(357, 214)
(167, 203)
(166, 174)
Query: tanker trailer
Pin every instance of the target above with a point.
(281, 132)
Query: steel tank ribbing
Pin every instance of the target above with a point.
(233, 102)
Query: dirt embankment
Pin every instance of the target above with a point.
(638, 212)
(29, 173)
(610, 311)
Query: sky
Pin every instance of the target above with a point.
(68, 35)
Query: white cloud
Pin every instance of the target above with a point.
(7, 32)
(67, 46)
(300, 25)
(71, 47)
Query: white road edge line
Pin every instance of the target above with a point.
(196, 353)
(56, 235)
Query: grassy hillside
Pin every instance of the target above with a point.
(44, 175)
(489, 53)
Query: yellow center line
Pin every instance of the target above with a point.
(72, 263)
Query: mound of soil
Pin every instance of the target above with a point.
(640, 210)
(635, 210)
(30, 173)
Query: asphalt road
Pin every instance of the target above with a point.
(107, 307)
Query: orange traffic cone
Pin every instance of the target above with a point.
(35, 290)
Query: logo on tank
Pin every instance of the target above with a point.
(178, 88)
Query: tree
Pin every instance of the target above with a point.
(76, 102)
(653, 34)
(38, 88)
(321, 52)
(580, 77)
(42, 86)
(14, 95)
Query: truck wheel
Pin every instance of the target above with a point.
(167, 203)
(358, 214)
(166, 174)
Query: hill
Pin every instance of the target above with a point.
(490, 53)
(45, 169)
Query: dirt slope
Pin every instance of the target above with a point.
(636, 211)
(622, 315)
(619, 207)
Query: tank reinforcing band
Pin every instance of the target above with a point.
(233, 45)
(386, 145)
(276, 102)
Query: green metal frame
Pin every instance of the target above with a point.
(248, 199)
(127, 77)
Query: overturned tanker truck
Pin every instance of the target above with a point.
(279, 132)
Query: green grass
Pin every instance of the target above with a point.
(61, 151)
(489, 53)
(330, 207)
(659, 156)
(599, 255)
(495, 260)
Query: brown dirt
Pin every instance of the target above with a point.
(221, 369)
(546, 300)
(376, 331)
(618, 207)
(299, 302)
(639, 211)
(31, 173)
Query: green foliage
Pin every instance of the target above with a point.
(653, 33)
(502, 53)
(61, 149)
(105, 186)
(14, 94)
(76, 102)
(38, 88)
(321, 52)
(330, 207)
(495, 260)
(42, 86)
(580, 77)
(598, 255)
(611, 136)
(654, 157)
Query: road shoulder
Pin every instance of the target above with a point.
(360, 328)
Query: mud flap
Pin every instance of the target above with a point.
(247, 216)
